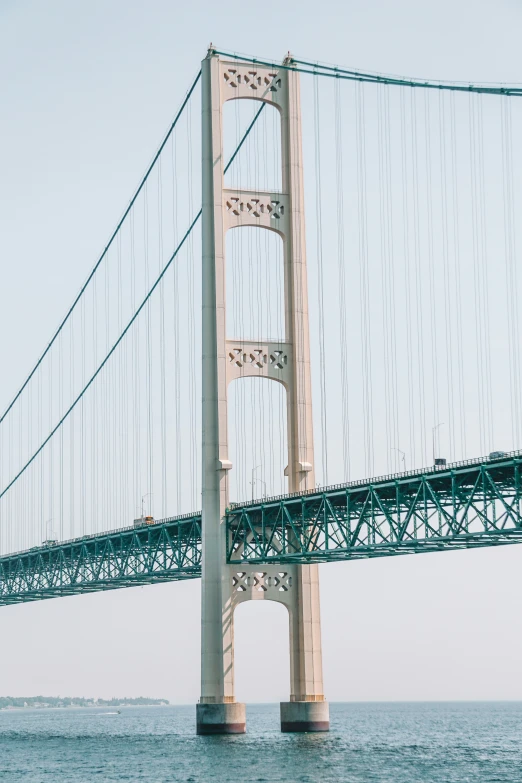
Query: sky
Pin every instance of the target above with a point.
(87, 90)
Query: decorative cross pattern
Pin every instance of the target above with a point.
(278, 359)
(261, 581)
(255, 207)
(257, 358)
(252, 80)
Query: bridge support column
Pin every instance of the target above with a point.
(305, 716)
(221, 718)
(286, 361)
(307, 709)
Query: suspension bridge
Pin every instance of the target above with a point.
(132, 412)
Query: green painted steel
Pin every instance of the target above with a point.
(468, 504)
(166, 551)
(332, 71)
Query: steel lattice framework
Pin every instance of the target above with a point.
(469, 504)
(127, 557)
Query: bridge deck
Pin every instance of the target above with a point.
(168, 550)
(468, 504)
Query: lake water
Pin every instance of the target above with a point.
(374, 743)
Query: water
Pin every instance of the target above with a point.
(399, 743)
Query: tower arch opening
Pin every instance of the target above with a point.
(258, 165)
(262, 645)
(255, 284)
(257, 424)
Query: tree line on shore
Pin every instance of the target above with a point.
(12, 702)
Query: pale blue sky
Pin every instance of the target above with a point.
(86, 92)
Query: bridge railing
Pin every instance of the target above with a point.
(467, 504)
(426, 471)
(471, 503)
(105, 534)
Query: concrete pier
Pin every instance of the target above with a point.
(221, 718)
(305, 716)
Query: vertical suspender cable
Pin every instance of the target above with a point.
(407, 280)
(431, 269)
(383, 234)
(457, 275)
(511, 268)
(364, 282)
(477, 250)
(176, 334)
(163, 422)
(194, 473)
(449, 325)
(320, 275)
(388, 276)
(148, 354)
(484, 279)
(418, 281)
(341, 276)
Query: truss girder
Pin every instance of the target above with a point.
(464, 506)
(136, 556)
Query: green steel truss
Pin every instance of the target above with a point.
(122, 558)
(469, 504)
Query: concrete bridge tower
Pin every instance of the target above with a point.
(226, 360)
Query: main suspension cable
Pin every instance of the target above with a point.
(129, 325)
(107, 247)
(332, 71)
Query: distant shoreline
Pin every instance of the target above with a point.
(8, 703)
(80, 707)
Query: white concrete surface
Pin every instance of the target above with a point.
(226, 360)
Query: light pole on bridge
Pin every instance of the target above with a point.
(434, 431)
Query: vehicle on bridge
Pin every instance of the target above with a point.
(143, 521)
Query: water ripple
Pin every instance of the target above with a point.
(368, 743)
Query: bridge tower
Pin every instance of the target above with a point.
(225, 360)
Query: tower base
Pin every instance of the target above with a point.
(223, 718)
(305, 716)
